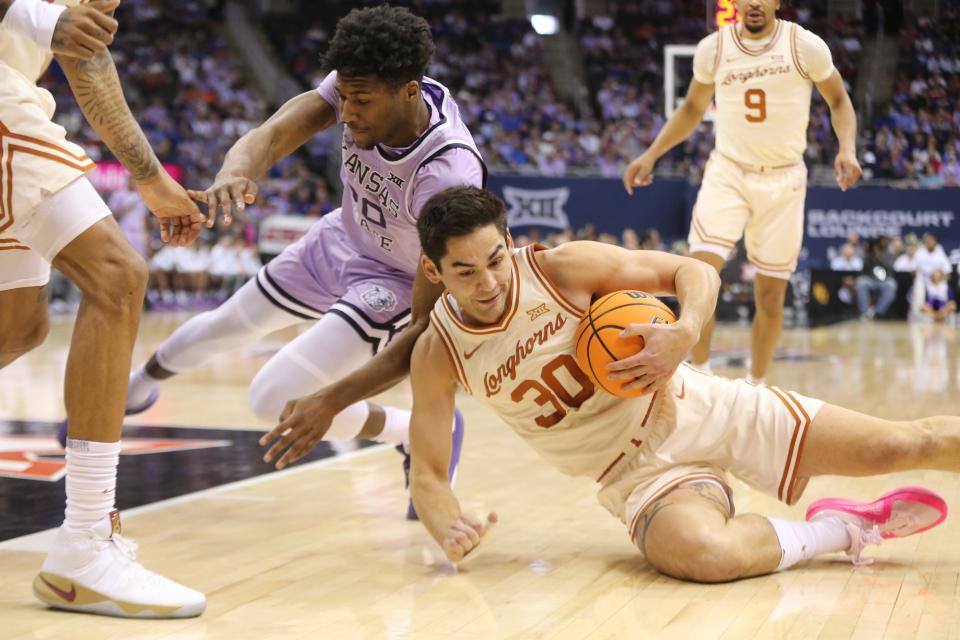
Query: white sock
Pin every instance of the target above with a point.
(138, 390)
(753, 380)
(396, 426)
(91, 481)
(803, 540)
(348, 423)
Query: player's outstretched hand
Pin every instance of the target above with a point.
(85, 30)
(225, 193)
(846, 169)
(303, 423)
(665, 347)
(180, 220)
(639, 173)
(464, 535)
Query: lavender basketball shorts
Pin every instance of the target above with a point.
(322, 273)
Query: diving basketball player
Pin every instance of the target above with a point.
(355, 271)
(504, 332)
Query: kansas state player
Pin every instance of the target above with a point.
(356, 271)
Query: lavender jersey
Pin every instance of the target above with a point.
(359, 261)
(384, 188)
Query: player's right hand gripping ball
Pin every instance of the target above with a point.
(598, 336)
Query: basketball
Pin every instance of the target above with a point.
(598, 340)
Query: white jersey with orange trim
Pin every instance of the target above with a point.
(525, 369)
(36, 159)
(763, 89)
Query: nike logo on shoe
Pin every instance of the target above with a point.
(68, 596)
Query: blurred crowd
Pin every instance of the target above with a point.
(929, 270)
(193, 98)
(915, 140)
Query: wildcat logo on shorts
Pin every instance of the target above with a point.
(379, 298)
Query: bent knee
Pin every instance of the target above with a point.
(118, 278)
(267, 398)
(17, 341)
(696, 553)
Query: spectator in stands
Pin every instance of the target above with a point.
(906, 261)
(848, 260)
(929, 259)
(930, 179)
(950, 169)
(877, 277)
(939, 303)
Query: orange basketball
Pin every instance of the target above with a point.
(598, 336)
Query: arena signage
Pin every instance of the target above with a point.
(870, 223)
(537, 207)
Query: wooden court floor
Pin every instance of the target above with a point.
(322, 551)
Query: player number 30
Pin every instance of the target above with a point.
(552, 394)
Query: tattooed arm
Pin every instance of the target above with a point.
(96, 87)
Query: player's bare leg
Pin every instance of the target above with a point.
(689, 534)
(23, 322)
(112, 278)
(701, 352)
(90, 567)
(849, 443)
(769, 294)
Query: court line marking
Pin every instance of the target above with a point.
(40, 541)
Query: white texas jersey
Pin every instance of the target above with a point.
(763, 90)
(525, 369)
(22, 54)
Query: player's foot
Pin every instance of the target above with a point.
(143, 406)
(458, 429)
(129, 411)
(95, 571)
(896, 514)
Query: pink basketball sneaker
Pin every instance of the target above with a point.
(896, 514)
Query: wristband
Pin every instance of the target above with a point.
(34, 19)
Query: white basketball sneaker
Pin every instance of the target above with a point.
(95, 571)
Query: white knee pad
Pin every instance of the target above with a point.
(246, 316)
(326, 352)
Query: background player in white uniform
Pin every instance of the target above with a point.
(504, 331)
(762, 72)
(355, 270)
(49, 213)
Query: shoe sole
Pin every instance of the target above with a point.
(880, 510)
(50, 589)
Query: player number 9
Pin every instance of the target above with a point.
(756, 100)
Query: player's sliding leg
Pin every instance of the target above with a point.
(326, 352)
(701, 352)
(243, 318)
(769, 294)
(689, 534)
(850, 443)
(322, 354)
(90, 567)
